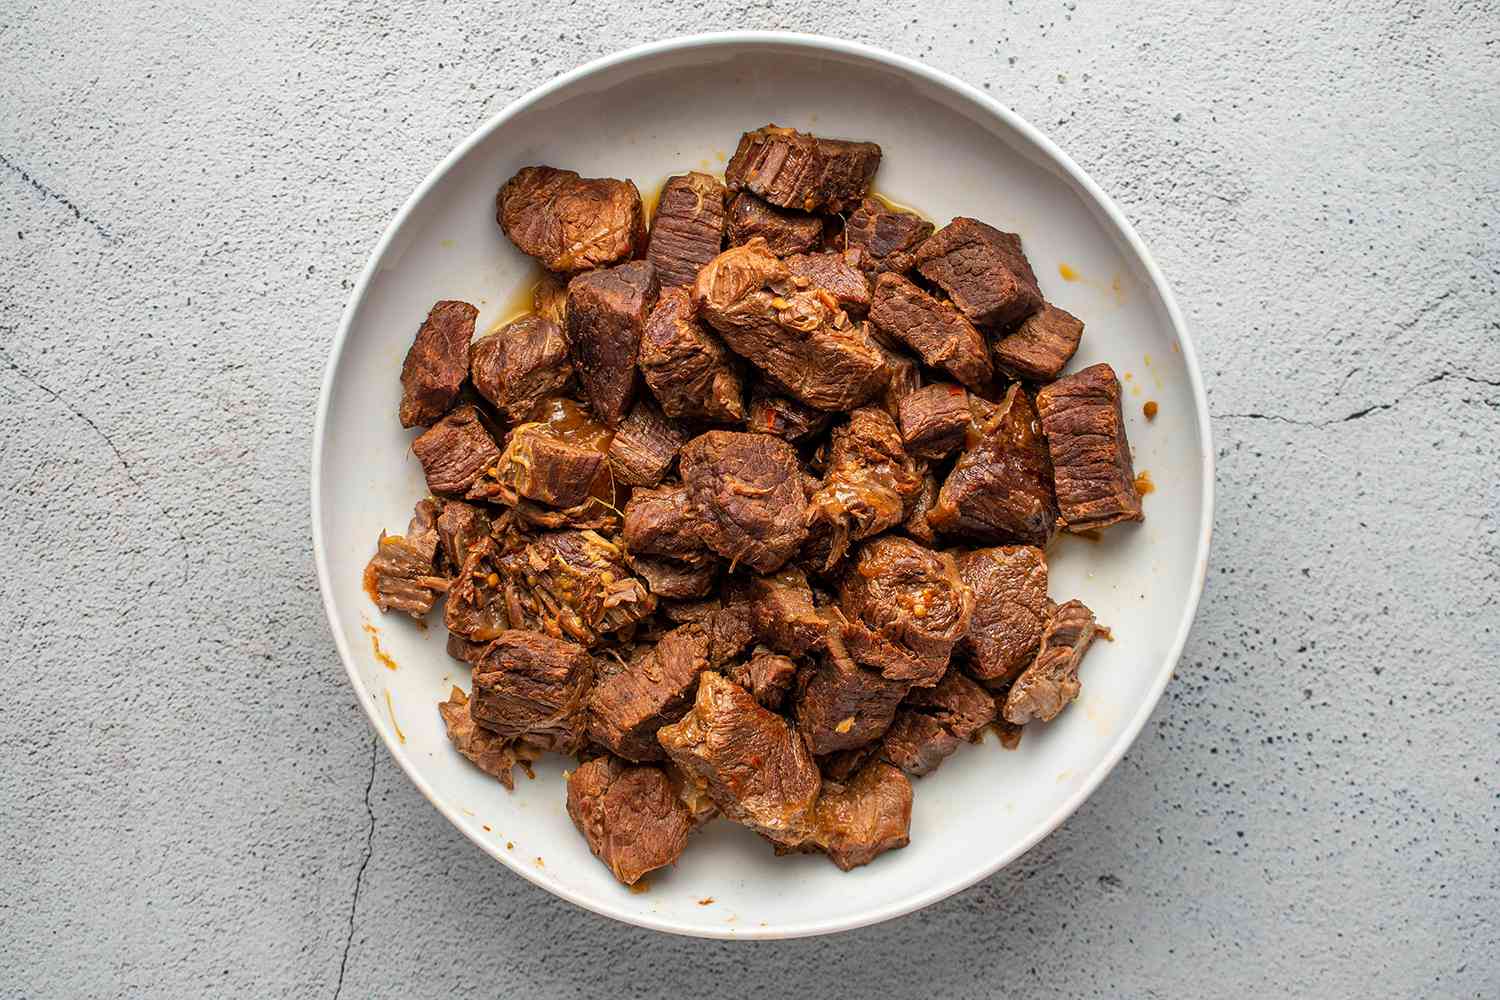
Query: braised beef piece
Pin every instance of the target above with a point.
(455, 451)
(492, 753)
(784, 230)
(571, 223)
(688, 229)
(1010, 609)
(519, 364)
(403, 574)
(780, 610)
(906, 607)
(833, 273)
(460, 525)
(887, 236)
(630, 814)
(796, 170)
(540, 466)
(865, 488)
(661, 522)
(752, 763)
(983, 271)
(574, 585)
(934, 419)
(677, 578)
(645, 446)
(1051, 682)
(436, 364)
(746, 489)
(934, 329)
(1000, 489)
(773, 412)
(904, 376)
(691, 792)
(798, 336)
(463, 650)
(934, 721)
(840, 705)
(1041, 346)
(549, 300)
(688, 369)
(1090, 455)
(766, 675)
(839, 767)
(917, 743)
(916, 525)
(534, 689)
(607, 312)
(631, 701)
(856, 822)
(476, 608)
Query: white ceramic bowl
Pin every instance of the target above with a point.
(949, 150)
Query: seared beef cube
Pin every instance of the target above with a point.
(1051, 682)
(860, 820)
(541, 466)
(747, 490)
(607, 312)
(572, 584)
(688, 230)
(798, 336)
(796, 170)
(436, 364)
(1041, 346)
(455, 451)
(644, 447)
(904, 377)
(833, 273)
(661, 522)
(909, 606)
(689, 370)
(460, 526)
(630, 702)
(983, 271)
(935, 720)
(1090, 455)
(934, 419)
(463, 650)
(785, 231)
(918, 743)
(887, 236)
(935, 330)
(676, 578)
(916, 524)
(766, 675)
(403, 574)
(519, 364)
(1010, 609)
(867, 483)
(1000, 490)
(571, 223)
(775, 413)
(533, 688)
(841, 705)
(753, 764)
(781, 612)
(492, 753)
(475, 610)
(630, 814)
(549, 300)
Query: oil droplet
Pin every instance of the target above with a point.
(380, 654)
(520, 302)
(897, 206)
(1143, 483)
(391, 708)
(1150, 409)
(1068, 274)
(487, 828)
(1148, 361)
(510, 845)
(539, 862)
(446, 244)
(706, 901)
(719, 155)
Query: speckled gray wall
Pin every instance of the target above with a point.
(191, 803)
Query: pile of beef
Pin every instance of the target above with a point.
(749, 515)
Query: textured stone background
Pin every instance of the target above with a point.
(190, 801)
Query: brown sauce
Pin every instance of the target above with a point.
(520, 302)
(380, 654)
(1143, 483)
(391, 708)
(1150, 409)
(1067, 273)
(706, 901)
(572, 423)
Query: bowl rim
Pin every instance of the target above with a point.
(905, 65)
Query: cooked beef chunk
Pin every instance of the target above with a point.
(571, 223)
(460, 526)
(838, 768)
(541, 466)
(463, 650)
(455, 451)
(962, 706)
(436, 364)
(403, 574)
(549, 300)
(796, 170)
(519, 364)
(840, 705)
(1051, 682)
(630, 702)
(754, 766)
(918, 743)
(916, 514)
(766, 675)
(661, 522)
(887, 236)
(573, 584)
(1090, 455)
(772, 412)
(934, 329)
(747, 490)
(983, 270)
(607, 313)
(833, 273)
(1041, 346)
(1010, 608)
(908, 607)
(492, 753)
(689, 370)
(645, 446)
(858, 821)
(630, 814)
(677, 578)
(730, 630)
(798, 336)
(688, 230)
(780, 611)
(692, 792)
(904, 376)
(934, 419)
(1000, 490)
(785, 231)
(572, 422)
(476, 609)
(866, 486)
(533, 688)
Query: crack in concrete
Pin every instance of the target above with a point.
(364, 862)
(62, 200)
(1361, 414)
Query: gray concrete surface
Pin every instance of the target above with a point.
(191, 803)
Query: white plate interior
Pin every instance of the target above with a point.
(947, 152)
